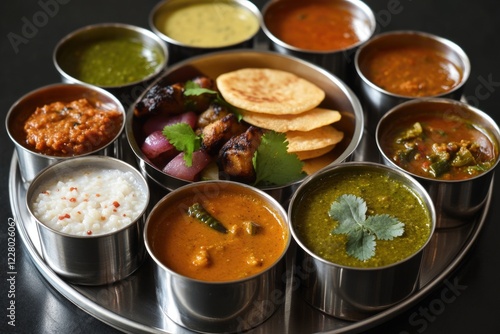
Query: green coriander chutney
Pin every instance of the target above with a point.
(383, 195)
(114, 62)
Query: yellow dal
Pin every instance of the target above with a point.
(211, 24)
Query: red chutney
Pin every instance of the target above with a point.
(313, 25)
(412, 71)
(69, 129)
(438, 147)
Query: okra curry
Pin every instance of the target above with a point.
(438, 146)
(227, 237)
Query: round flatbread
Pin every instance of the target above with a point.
(314, 139)
(305, 155)
(269, 91)
(306, 121)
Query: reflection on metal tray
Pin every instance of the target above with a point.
(131, 305)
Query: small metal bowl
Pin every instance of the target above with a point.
(32, 162)
(67, 57)
(338, 61)
(348, 292)
(181, 48)
(90, 259)
(376, 100)
(225, 306)
(458, 201)
(338, 97)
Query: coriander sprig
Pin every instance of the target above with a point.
(184, 139)
(272, 162)
(362, 232)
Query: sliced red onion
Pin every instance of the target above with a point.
(177, 166)
(155, 144)
(158, 122)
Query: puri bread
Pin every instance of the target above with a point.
(305, 121)
(270, 91)
(314, 139)
(313, 165)
(310, 154)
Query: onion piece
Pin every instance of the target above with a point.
(158, 122)
(177, 166)
(155, 144)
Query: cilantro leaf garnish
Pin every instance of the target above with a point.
(182, 136)
(272, 162)
(362, 232)
(192, 88)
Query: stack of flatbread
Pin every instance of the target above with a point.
(283, 102)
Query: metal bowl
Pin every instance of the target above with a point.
(353, 293)
(75, 43)
(32, 162)
(339, 62)
(225, 306)
(378, 101)
(458, 201)
(338, 97)
(90, 259)
(181, 50)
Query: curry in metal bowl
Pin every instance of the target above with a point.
(361, 230)
(227, 233)
(389, 221)
(439, 142)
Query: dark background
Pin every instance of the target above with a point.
(474, 25)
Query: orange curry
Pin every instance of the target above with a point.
(313, 25)
(70, 129)
(411, 71)
(255, 239)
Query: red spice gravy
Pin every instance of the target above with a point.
(69, 129)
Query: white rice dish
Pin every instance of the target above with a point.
(90, 202)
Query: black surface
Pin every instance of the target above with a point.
(473, 307)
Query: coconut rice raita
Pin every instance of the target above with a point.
(91, 202)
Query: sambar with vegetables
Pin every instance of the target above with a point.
(218, 234)
(439, 145)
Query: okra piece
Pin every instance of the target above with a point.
(251, 227)
(198, 211)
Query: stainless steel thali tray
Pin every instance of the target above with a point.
(131, 305)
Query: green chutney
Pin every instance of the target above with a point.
(383, 195)
(114, 62)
